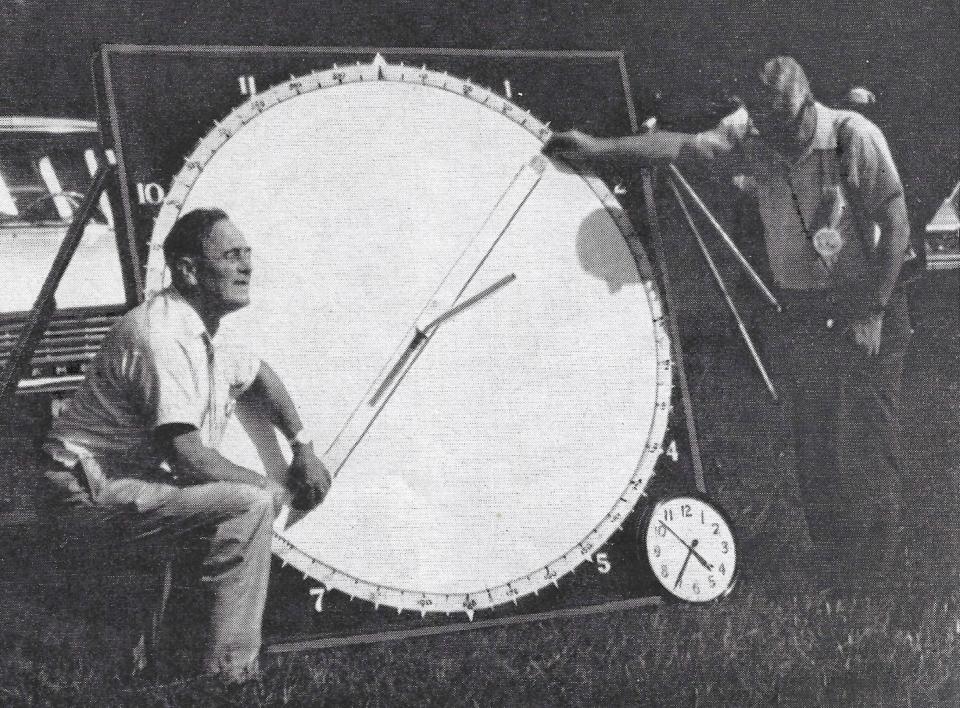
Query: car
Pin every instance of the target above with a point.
(943, 234)
(46, 165)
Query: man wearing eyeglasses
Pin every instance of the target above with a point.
(836, 235)
(138, 443)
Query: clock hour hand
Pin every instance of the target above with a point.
(421, 334)
(689, 546)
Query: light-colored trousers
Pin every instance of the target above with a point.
(236, 567)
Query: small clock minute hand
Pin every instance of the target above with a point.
(686, 560)
(689, 547)
(443, 304)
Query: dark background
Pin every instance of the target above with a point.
(690, 53)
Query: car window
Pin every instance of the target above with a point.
(43, 176)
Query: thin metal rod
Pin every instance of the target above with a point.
(453, 285)
(718, 278)
(744, 263)
(314, 643)
(44, 305)
(653, 224)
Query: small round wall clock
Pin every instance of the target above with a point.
(691, 547)
(471, 342)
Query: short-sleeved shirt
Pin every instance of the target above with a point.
(157, 366)
(847, 150)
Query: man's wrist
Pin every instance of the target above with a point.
(300, 438)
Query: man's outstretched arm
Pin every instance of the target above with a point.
(658, 146)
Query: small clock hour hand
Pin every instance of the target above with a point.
(689, 547)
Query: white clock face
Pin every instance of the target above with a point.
(691, 549)
(487, 456)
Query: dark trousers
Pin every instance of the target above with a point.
(843, 409)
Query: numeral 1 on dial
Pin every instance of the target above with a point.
(248, 85)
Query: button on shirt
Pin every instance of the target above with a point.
(790, 193)
(157, 366)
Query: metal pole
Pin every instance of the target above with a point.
(723, 290)
(653, 223)
(745, 264)
(285, 646)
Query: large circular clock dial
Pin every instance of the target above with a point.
(461, 322)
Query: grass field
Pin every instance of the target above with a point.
(764, 646)
(779, 639)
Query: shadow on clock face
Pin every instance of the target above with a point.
(603, 252)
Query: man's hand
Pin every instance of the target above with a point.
(307, 478)
(866, 332)
(281, 494)
(572, 144)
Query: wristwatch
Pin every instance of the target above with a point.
(301, 438)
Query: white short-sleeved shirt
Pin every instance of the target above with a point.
(157, 366)
(790, 193)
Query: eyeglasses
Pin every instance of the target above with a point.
(233, 255)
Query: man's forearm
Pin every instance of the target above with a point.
(891, 251)
(268, 390)
(656, 146)
(207, 465)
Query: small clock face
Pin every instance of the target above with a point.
(691, 548)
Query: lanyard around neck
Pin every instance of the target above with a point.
(793, 192)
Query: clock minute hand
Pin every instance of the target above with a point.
(686, 560)
(495, 224)
(439, 307)
(443, 302)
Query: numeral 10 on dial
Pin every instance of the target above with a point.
(150, 193)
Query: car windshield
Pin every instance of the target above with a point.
(43, 175)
